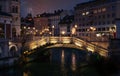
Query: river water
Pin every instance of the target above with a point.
(61, 62)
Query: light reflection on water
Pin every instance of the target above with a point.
(63, 62)
(73, 62)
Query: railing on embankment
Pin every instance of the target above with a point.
(69, 40)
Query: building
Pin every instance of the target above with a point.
(66, 24)
(55, 18)
(12, 7)
(41, 23)
(96, 19)
(50, 21)
(9, 24)
(5, 25)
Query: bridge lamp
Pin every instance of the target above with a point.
(50, 33)
(73, 31)
(63, 32)
(53, 29)
(92, 29)
(24, 27)
(28, 28)
(36, 30)
(33, 28)
(75, 26)
(53, 26)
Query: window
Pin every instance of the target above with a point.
(103, 16)
(99, 10)
(103, 23)
(79, 30)
(107, 29)
(113, 14)
(103, 29)
(113, 22)
(14, 9)
(103, 9)
(108, 15)
(113, 7)
(68, 28)
(99, 16)
(95, 11)
(99, 29)
(99, 23)
(108, 22)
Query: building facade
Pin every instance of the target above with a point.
(9, 24)
(5, 25)
(56, 17)
(12, 7)
(41, 23)
(50, 21)
(96, 19)
(66, 25)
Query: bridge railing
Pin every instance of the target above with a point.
(90, 47)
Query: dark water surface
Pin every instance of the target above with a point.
(62, 62)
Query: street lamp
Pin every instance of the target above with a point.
(75, 26)
(74, 31)
(92, 29)
(113, 32)
(63, 32)
(53, 29)
(24, 27)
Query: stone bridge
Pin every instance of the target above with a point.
(71, 42)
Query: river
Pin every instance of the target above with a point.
(61, 62)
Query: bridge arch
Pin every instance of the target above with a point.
(13, 49)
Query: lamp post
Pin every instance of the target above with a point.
(75, 26)
(53, 30)
(92, 29)
(113, 31)
(61, 34)
(76, 29)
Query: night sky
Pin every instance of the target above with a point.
(40, 6)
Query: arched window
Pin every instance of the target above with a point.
(13, 9)
(14, 32)
(16, 9)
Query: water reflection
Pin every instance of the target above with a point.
(63, 68)
(62, 62)
(62, 57)
(73, 62)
